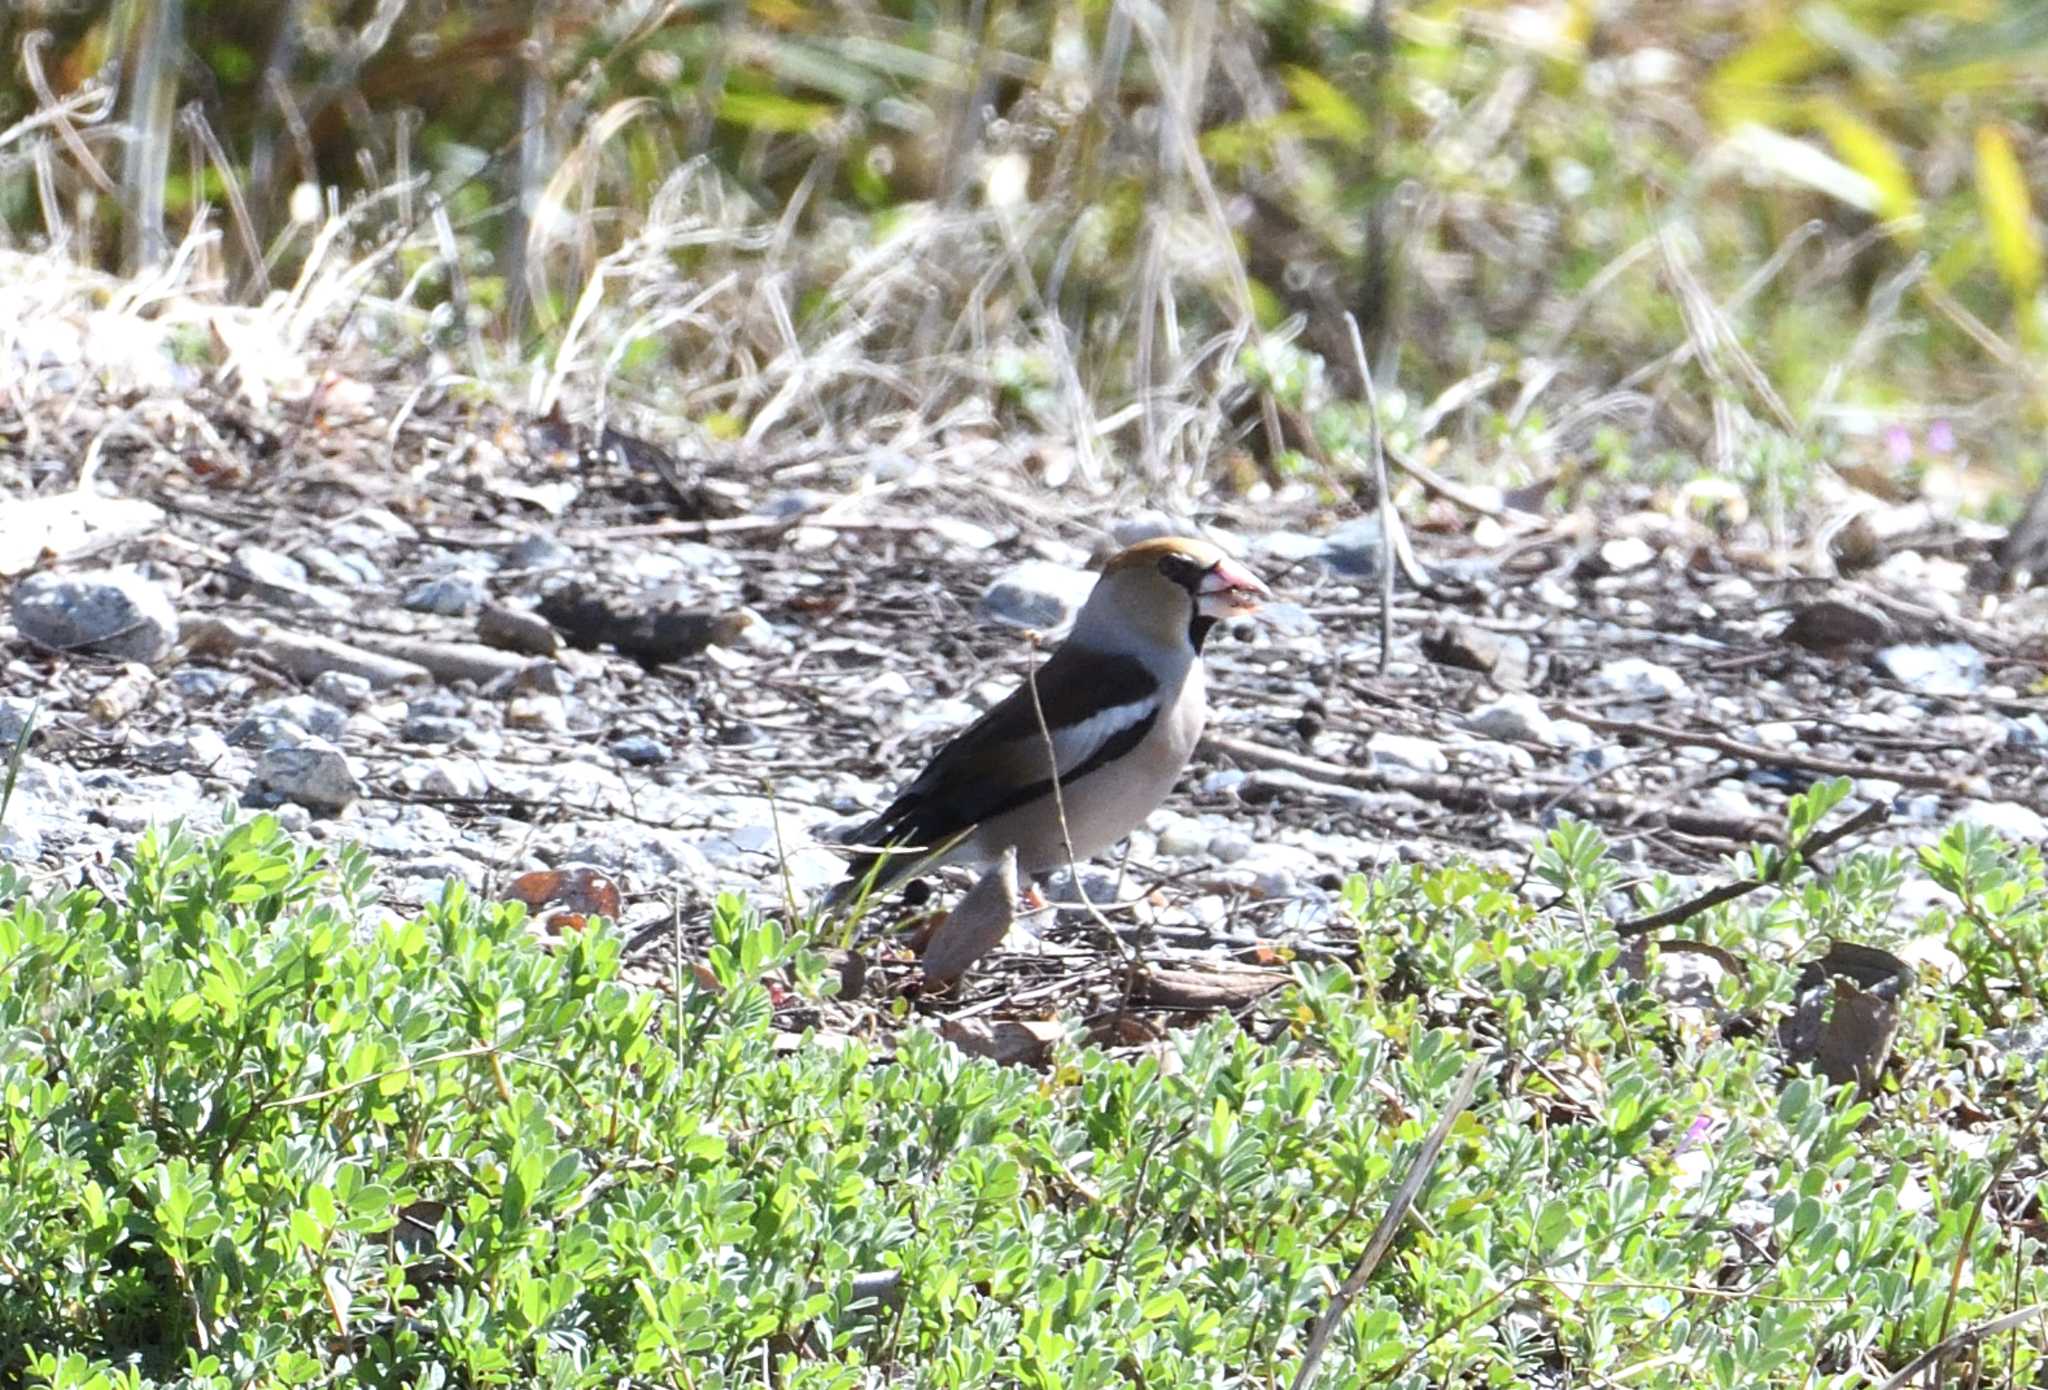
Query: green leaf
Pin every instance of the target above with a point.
(1333, 113)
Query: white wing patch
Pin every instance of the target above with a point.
(1077, 743)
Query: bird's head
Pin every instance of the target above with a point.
(1169, 590)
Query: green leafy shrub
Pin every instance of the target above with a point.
(256, 1132)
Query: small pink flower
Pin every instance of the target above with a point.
(1898, 442)
(1694, 1134)
(1941, 437)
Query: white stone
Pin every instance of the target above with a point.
(1517, 716)
(1634, 678)
(1404, 750)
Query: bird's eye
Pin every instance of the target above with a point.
(1180, 569)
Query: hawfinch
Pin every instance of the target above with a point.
(1123, 705)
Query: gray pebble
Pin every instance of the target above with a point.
(453, 777)
(1407, 751)
(203, 684)
(623, 847)
(105, 612)
(1515, 717)
(281, 580)
(449, 595)
(1146, 525)
(194, 750)
(541, 553)
(1038, 594)
(16, 716)
(350, 570)
(266, 731)
(292, 818)
(312, 773)
(640, 750)
(342, 689)
(1185, 837)
(1633, 678)
(1229, 846)
(2009, 820)
(315, 716)
(433, 728)
(1941, 668)
(1354, 549)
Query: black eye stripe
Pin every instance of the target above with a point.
(1180, 569)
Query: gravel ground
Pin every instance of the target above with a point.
(340, 616)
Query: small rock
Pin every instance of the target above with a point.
(1514, 718)
(2028, 731)
(262, 731)
(1633, 678)
(1038, 594)
(517, 630)
(194, 750)
(105, 612)
(1551, 594)
(16, 716)
(204, 684)
(546, 713)
(798, 501)
(1570, 733)
(281, 580)
(1354, 549)
(1185, 837)
(1625, 553)
(292, 818)
(1503, 656)
(1285, 619)
(433, 728)
(1943, 668)
(2009, 820)
(1229, 846)
(1284, 548)
(1407, 751)
(342, 689)
(313, 773)
(453, 777)
(1777, 734)
(1221, 781)
(315, 716)
(352, 570)
(627, 848)
(958, 531)
(541, 553)
(450, 595)
(640, 750)
(1728, 799)
(1831, 625)
(1147, 525)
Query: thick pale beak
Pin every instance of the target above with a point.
(1229, 590)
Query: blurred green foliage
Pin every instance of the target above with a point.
(1558, 193)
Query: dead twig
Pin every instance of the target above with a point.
(1388, 521)
(1875, 814)
(1776, 757)
(1472, 794)
(1390, 1224)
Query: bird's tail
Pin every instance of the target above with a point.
(880, 871)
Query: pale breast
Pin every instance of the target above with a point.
(1109, 803)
